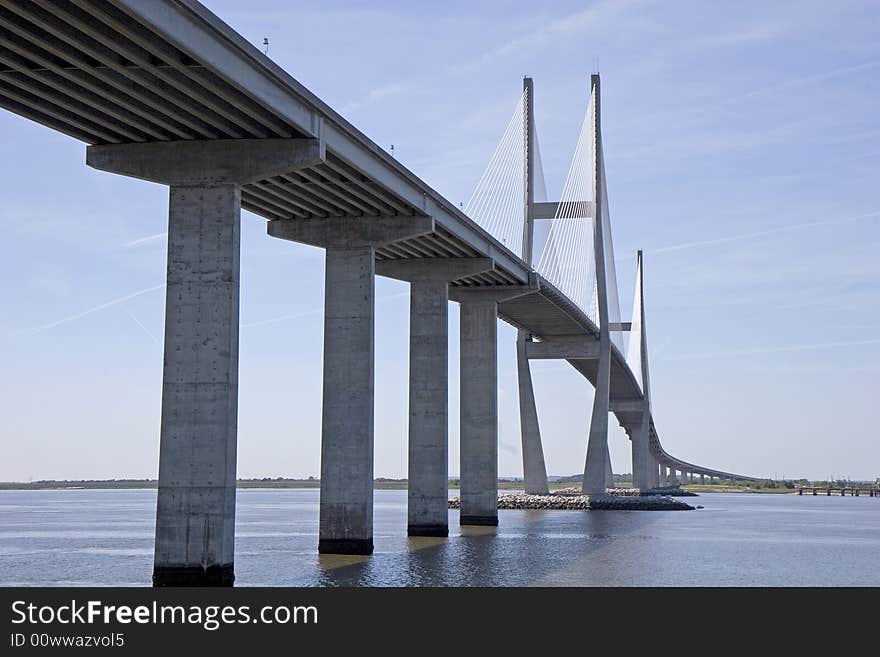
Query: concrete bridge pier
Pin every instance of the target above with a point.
(479, 401)
(598, 460)
(346, 507)
(479, 412)
(641, 456)
(702, 479)
(661, 475)
(428, 488)
(195, 512)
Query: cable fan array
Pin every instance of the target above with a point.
(610, 268)
(567, 257)
(497, 201)
(636, 335)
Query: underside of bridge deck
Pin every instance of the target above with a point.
(165, 91)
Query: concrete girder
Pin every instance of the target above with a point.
(329, 231)
(564, 348)
(438, 269)
(627, 405)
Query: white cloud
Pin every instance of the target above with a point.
(378, 94)
(581, 22)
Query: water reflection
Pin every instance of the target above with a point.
(105, 538)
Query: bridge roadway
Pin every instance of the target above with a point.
(163, 90)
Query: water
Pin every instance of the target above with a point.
(104, 537)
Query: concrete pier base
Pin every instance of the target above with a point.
(193, 576)
(346, 509)
(489, 521)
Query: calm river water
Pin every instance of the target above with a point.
(104, 537)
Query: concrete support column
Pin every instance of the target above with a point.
(534, 468)
(346, 515)
(702, 479)
(427, 508)
(195, 510)
(661, 477)
(195, 513)
(609, 471)
(479, 413)
(596, 467)
(641, 456)
(427, 505)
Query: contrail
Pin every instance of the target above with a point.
(113, 302)
(775, 350)
(144, 240)
(761, 233)
(145, 329)
(310, 313)
(812, 79)
(282, 318)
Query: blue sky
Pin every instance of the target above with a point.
(742, 148)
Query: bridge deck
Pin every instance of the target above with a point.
(124, 71)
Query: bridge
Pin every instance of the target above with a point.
(164, 91)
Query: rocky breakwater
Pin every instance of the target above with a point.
(670, 492)
(572, 499)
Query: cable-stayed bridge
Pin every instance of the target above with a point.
(164, 91)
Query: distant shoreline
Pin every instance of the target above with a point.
(147, 484)
(278, 483)
(282, 483)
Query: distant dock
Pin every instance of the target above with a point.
(852, 491)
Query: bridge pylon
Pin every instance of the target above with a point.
(534, 467)
(595, 479)
(637, 358)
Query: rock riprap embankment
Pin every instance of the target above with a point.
(566, 500)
